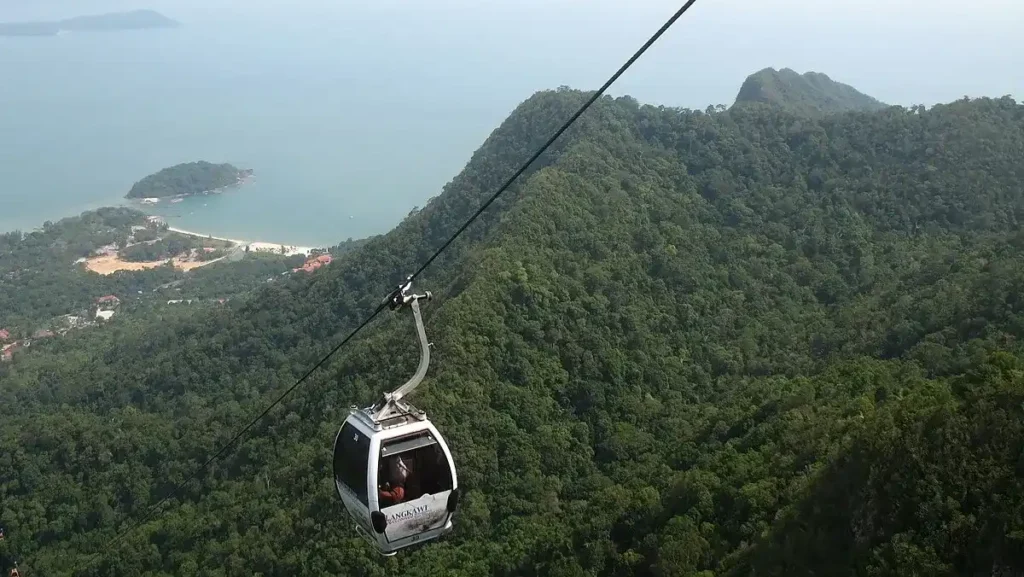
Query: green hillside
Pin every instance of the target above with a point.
(43, 276)
(686, 343)
(809, 94)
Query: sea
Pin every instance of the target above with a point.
(350, 114)
(337, 152)
(347, 126)
(340, 149)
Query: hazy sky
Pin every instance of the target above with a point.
(900, 51)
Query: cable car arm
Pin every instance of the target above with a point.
(421, 372)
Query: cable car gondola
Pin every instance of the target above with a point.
(392, 467)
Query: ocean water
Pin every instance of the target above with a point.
(349, 113)
(341, 146)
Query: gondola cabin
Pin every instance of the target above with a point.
(392, 468)
(396, 477)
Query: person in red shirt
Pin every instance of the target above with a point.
(393, 491)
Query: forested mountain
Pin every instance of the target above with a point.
(809, 94)
(729, 342)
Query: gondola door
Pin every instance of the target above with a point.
(423, 512)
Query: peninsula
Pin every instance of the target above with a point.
(189, 179)
(132, 20)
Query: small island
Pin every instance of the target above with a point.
(132, 20)
(189, 179)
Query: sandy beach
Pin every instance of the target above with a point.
(253, 245)
(109, 264)
(200, 235)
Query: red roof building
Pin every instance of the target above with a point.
(315, 263)
(4, 335)
(109, 299)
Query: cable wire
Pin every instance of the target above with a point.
(504, 187)
(572, 119)
(248, 427)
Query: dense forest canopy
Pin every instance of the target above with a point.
(722, 342)
(188, 179)
(810, 94)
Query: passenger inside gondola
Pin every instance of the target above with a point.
(395, 473)
(423, 471)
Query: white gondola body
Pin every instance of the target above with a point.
(427, 513)
(400, 434)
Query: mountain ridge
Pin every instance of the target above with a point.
(811, 93)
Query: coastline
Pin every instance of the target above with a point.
(258, 246)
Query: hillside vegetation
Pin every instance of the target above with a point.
(42, 276)
(809, 94)
(685, 343)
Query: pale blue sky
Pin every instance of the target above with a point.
(900, 51)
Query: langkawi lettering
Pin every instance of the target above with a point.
(408, 514)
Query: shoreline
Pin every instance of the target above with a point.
(258, 246)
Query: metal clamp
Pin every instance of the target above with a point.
(401, 296)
